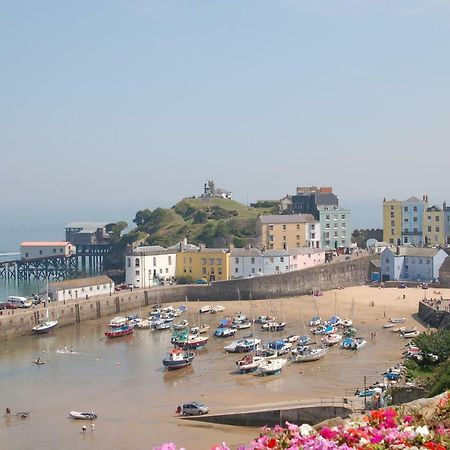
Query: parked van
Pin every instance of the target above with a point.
(20, 302)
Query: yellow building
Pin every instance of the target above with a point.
(280, 232)
(211, 264)
(392, 222)
(434, 226)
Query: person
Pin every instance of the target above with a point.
(92, 427)
(83, 428)
(178, 410)
(7, 412)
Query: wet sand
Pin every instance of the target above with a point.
(122, 380)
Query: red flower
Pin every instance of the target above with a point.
(273, 442)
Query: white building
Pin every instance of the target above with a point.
(411, 264)
(275, 262)
(150, 266)
(32, 250)
(304, 257)
(81, 288)
(246, 262)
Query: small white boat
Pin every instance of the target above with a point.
(307, 354)
(249, 363)
(163, 326)
(397, 320)
(389, 325)
(408, 334)
(272, 366)
(216, 309)
(118, 321)
(181, 325)
(273, 326)
(398, 329)
(204, 309)
(82, 415)
(347, 322)
(241, 325)
(292, 338)
(45, 326)
(331, 339)
(315, 321)
(143, 324)
(264, 319)
(353, 343)
(65, 351)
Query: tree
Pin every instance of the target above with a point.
(200, 216)
(117, 229)
(142, 216)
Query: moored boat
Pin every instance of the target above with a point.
(397, 319)
(280, 346)
(181, 325)
(82, 415)
(44, 326)
(249, 363)
(307, 354)
(273, 326)
(204, 309)
(272, 366)
(118, 321)
(222, 332)
(119, 331)
(315, 321)
(178, 358)
(331, 339)
(353, 343)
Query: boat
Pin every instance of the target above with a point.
(303, 340)
(143, 324)
(241, 325)
(249, 363)
(38, 362)
(181, 325)
(331, 339)
(398, 329)
(350, 332)
(65, 351)
(267, 353)
(334, 321)
(353, 343)
(408, 334)
(185, 340)
(280, 346)
(82, 415)
(178, 358)
(232, 348)
(248, 344)
(118, 321)
(272, 366)
(204, 309)
(223, 332)
(307, 354)
(389, 325)
(315, 321)
(273, 326)
(292, 338)
(163, 325)
(324, 329)
(264, 319)
(397, 320)
(119, 331)
(45, 326)
(216, 309)
(348, 322)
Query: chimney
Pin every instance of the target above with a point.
(444, 206)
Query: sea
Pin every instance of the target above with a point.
(34, 224)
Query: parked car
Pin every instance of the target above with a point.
(7, 305)
(201, 281)
(19, 302)
(194, 409)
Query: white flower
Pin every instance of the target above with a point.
(422, 431)
(364, 441)
(305, 429)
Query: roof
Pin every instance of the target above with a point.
(150, 250)
(305, 251)
(88, 225)
(181, 246)
(434, 208)
(413, 199)
(288, 218)
(418, 251)
(445, 267)
(79, 283)
(45, 244)
(206, 250)
(245, 252)
(326, 198)
(272, 253)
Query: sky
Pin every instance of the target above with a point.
(132, 104)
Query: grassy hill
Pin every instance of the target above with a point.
(210, 221)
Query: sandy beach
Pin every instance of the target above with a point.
(122, 380)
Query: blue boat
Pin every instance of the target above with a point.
(224, 332)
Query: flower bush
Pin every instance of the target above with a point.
(378, 430)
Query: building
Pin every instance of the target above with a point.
(323, 205)
(211, 264)
(302, 258)
(411, 264)
(392, 221)
(335, 224)
(276, 262)
(33, 250)
(281, 232)
(148, 266)
(210, 190)
(81, 288)
(444, 273)
(446, 210)
(434, 226)
(246, 262)
(88, 233)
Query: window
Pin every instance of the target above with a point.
(219, 270)
(26, 255)
(154, 261)
(170, 260)
(437, 229)
(327, 235)
(253, 270)
(335, 234)
(137, 272)
(405, 209)
(414, 219)
(211, 261)
(429, 217)
(281, 259)
(271, 227)
(98, 288)
(343, 225)
(429, 229)
(60, 250)
(437, 218)
(313, 235)
(405, 220)
(91, 288)
(298, 227)
(219, 261)
(298, 237)
(415, 208)
(392, 223)
(277, 268)
(420, 260)
(253, 260)
(203, 261)
(271, 260)
(271, 237)
(284, 238)
(327, 217)
(392, 215)
(167, 270)
(236, 270)
(415, 230)
(40, 252)
(327, 225)
(212, 270)
(343, 217)
(236, 260)
(137, 262)
(392, 208)
(392, 232)
(54, 250)
(128, 261)
(284, 227)
(160, 271)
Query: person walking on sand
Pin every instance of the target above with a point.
(83, 428)
(7, 412)
(92, 427)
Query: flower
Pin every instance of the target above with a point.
(422, 431)
(305, 429)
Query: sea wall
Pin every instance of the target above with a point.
(434, 317)
(329, 276)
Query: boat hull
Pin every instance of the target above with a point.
(42, 329)
(115, 334)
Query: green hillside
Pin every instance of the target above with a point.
(210, 221)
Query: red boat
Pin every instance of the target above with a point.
(119, 331)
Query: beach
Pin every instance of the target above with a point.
(122, 380)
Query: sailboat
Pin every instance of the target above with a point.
(45, 324)
(316, 320)
(348, 322)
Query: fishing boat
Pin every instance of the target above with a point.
(280, 346)
(118, 321)
(82, 415)
(331, 339)
(223, 332)
(185, 340)
(397, 320)
(249, 363)
(272, 366)
(353, 343)
(119, 331)
(307, 354)
(181, 325)
(178, 358)
(204, 309)
(273, 326)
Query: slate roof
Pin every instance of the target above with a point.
(418, 251)
(254, 252)
(79, 283)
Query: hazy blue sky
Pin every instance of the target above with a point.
(138, 102)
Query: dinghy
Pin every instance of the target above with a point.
(82, 415)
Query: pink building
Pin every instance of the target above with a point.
(304, 257)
